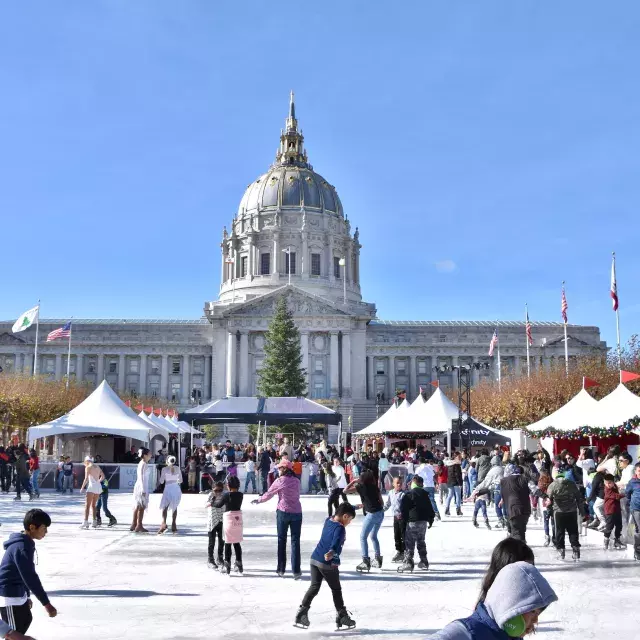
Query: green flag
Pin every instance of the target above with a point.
(26, 319)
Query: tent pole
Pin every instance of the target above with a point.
(191, 433)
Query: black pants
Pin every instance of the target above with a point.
(264, 477)
(399, 528)
(614, 521)
(517, 527)
(566, 523)
(237, 550)
(323, 480)
(635, 515)
(334, 500)
(23, 483)
(18, 618)
(215, 534)
(5, 477)
(331, 574)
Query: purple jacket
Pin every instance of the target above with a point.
(288, 490)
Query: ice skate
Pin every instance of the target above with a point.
(365, 565)
(547, 541)
(561, 554)
(112, 522)
(94, 524)
(98, 521)
(280, 573)
(226, 568)
(343, 620)
(398, 557)
(377, 563)
(618, 544)
(576, 554)
(636, 555)
(297, 576)
(501, 524)
(459, 512)
(85, 525)
(423, 564)
(486, 523)
(237, 567)
(211, 563)
(162, 529)
(302, 618)
(594, 524)
(475, 523)
(607, 541)
(406, 566)
(446, 513)
(438, 518)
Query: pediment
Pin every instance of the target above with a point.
(7, 338)
(573, 341)
(300, 303)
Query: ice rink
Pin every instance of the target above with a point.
(114, 584)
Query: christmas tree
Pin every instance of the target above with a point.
(281, 373)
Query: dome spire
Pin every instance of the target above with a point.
(291, 150)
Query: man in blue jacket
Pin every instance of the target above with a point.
(18, 577)
(633, 496)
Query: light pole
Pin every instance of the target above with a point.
(288, 252)
(343, 263)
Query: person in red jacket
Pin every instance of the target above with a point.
(443, 477)
(612, 512)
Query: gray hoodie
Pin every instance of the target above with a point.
(517, 589)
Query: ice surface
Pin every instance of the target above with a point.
(116, 584)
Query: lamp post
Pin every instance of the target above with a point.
(288, 252)
(343, 263)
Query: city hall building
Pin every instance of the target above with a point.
(290, 237)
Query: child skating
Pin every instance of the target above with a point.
(214, 526)
(325, 564)
(231, 505)
(394, 500)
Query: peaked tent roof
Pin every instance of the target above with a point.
(102, 413)
(250, 410)
(435, 415)
(582, 410)
(156, 429)
(618, 408)
(388, 421)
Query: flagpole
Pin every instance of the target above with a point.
(617, 315)
(566, 344)
(526, 339)
(35, 353)
(499, 364)
(69, 358)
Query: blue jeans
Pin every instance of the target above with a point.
(103, 503)
(497, 496)
(454, 491)
(371, 526)
(432, 496)
(60, 481)
(313, 483)
(480, 505)
(34, 481)
(467, 491)
(285, 521)
(251, 478)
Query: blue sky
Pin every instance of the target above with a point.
(486, 150)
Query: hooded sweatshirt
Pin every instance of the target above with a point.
(518, 588)
(18, 575)
(492, 479)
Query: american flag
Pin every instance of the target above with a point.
(527, 328)
(494, 342)
(63, 332)
(565, 306)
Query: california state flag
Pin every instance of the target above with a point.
(26, 320)
(614, 284)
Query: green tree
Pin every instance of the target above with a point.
(281, 374)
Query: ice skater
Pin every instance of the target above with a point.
(103, 503)
(419, 515)
(481, 498)
(394, 500)
(325, 564)
(171, 476)
(93, 477)
(141, 491)
(214, 526)
(231, 505)
(567, 503)
(612, 513)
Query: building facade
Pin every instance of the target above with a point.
(290, 237)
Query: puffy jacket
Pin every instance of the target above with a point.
(633, 494)
(492, 479)
(515, 493)
(416, 506)
(483, 465)
(566, 496)
(18, 575)
(455, 476)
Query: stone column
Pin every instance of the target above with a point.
(100, 373)
(244, 364)
(330, 259)
(392, 377)
(276, 253)
(17, 363)
(250, 259)
(79, 368)
(186, 390)
(305, 258)
(371, 383)
(413, 378)
(348, 270)
(28, 364)
(206, 391)
(304, 351)
(231, 364)
(122, 372)
(434, 363)
(142, 381)
(58, 366)
(455, 362)
(335, 378)
(518, 365)
(475, 374)
(164, 375)
(346, 365)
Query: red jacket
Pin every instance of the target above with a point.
(612, 501)
(443, 476)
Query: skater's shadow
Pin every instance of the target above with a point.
(115, 593)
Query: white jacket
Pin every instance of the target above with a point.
(492, 479)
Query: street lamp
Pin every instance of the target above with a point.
(288, 252)
(343, 263)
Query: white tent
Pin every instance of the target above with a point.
(387, 421)
(156, 430)
(102, 413)
(434, 415)
(581, 411)
(617, 408)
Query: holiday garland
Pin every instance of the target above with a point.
(587, 432)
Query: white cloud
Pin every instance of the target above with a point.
(446, 266)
